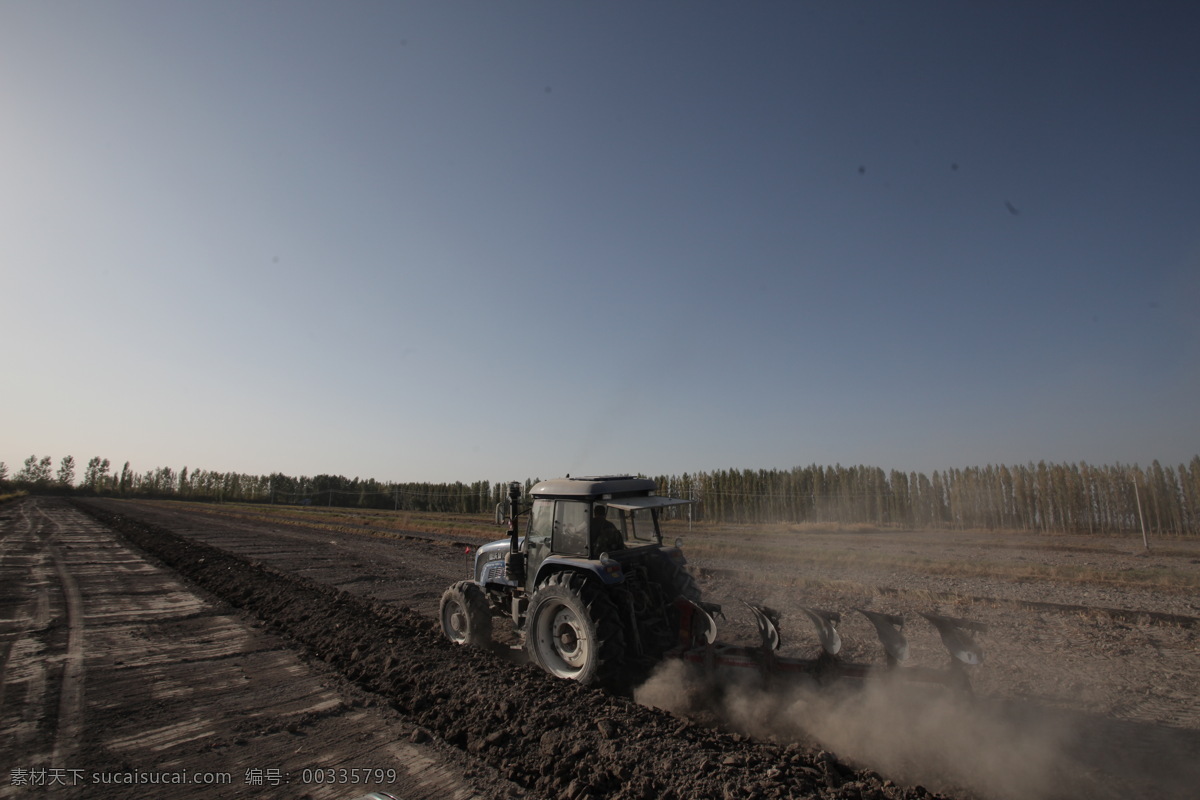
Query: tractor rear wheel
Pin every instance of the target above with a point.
(573, 630)
(466, 616)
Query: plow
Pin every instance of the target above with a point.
(595, 595)
(720, 662)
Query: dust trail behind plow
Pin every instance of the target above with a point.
(947, 741)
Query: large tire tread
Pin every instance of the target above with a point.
(468, 599)
(595, 607)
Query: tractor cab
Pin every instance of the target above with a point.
(593, 524)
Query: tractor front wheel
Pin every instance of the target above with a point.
(574, 631)
(466, 616)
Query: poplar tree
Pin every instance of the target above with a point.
(28, 471)
(66, 471)
(42, 470)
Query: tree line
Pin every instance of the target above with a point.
(38, 475)
(1058, 498)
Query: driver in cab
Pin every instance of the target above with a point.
(606, 536)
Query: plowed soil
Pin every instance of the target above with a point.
(150, 640)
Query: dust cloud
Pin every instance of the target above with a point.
(945, 740)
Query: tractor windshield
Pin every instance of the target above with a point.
(638, 526)
(637, 517)
(627, 522)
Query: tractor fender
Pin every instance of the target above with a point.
(673, 554)
(607, 572)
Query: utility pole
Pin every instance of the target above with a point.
(1141, 519)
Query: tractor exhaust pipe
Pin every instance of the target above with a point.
(514, 562)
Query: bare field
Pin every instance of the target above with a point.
(1090, 687)
(1092, 652)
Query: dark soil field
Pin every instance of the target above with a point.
(236, 651)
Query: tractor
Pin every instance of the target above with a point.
(590, 586)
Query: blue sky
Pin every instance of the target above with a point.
(463, 240)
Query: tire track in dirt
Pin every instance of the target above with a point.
(70, 683)
(70, 698)
(30, 678)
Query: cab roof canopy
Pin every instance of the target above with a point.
(595, 487)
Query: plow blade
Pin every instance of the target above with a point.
(887, 628)
(957, 639)
(826, 623)
(767, 620)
